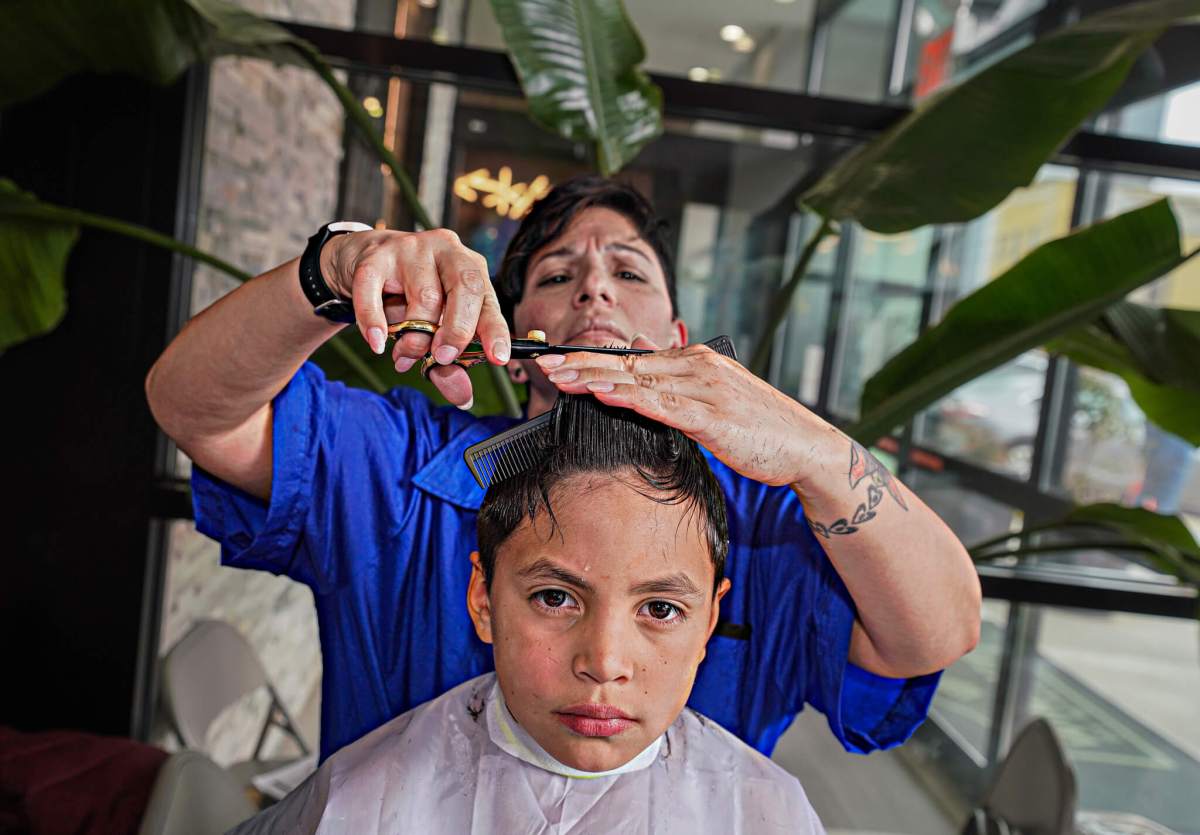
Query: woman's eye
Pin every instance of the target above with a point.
(553, 598)
(662, 611)
(628, 276)
(553, 279)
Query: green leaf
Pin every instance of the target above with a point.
(578, 64)
(33, 260)
(45, 41)
(1168, 532)
(1174, 404)
(961, 152)
(342, 359)
(1164, 541)
(1059, 285)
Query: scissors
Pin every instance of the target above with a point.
(532, 346)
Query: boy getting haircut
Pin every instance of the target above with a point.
(598, 582)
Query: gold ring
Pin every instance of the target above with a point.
(429, 363)
(421, 325)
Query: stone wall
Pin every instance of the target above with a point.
(273, 147)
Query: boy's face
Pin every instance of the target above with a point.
(598, 628)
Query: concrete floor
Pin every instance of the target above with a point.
(853, 793)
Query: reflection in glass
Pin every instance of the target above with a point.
(992, 420)
(1114, 454)
(1120, 690)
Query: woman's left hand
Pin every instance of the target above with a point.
(748, 424)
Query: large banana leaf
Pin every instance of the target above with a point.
(1059, 285)
(1164, 540)
(33, 256)
(35, 242)
(1154, 351)
(42, 43)
(578, 64)
(961, 152)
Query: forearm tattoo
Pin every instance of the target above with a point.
(863, 467)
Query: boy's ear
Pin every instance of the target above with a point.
(722, 590)
(478, 604)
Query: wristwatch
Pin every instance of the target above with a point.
(325, 303)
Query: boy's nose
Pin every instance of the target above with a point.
(603, 653)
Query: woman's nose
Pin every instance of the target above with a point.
(597, 286)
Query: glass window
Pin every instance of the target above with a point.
(972, 515)
(992, 420)
(1120, 690)
(962, 707)
(1117, 688)
(1113, 453)
(884, 298)
(800, 343)
(1173, 116)
(857, 51)
(762, 44)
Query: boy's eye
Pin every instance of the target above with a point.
(553, 598)
(663, 611)
(553, 279)
(628, 276)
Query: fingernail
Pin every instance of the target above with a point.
(566, 375)
(500, 350)
(445, 354)
(404, 363)
(375, 339)
(600, 385)
(466, 407)
(551, 360)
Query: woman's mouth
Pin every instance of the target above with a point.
(598, 336)
(590, 719)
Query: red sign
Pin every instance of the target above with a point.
(934, 67)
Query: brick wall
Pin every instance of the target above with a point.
(273, 147)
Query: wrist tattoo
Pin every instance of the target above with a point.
(863, 467)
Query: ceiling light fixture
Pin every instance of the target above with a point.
(731, 32)
(744, 44)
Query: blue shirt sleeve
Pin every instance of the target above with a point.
(812, 615)
(326, 439)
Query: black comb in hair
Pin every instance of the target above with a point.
(516, 450)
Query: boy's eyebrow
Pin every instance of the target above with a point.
(551, 570)
(678, 584)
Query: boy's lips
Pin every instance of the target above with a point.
(592, 719)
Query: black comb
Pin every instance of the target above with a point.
(516, 450)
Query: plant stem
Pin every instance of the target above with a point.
(782, 301)
(360, 119)
(60, 214)
(1056, 547)
(1031, 529)
(504, 388)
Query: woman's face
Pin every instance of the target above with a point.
(598, 626)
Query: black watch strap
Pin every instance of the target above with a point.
(316, 290)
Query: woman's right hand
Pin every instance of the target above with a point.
(392, 275)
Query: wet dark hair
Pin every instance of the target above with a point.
(551, 216)
(587, 436)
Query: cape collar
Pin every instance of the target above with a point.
(511, 738)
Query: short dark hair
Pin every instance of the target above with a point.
(551, 216)
(587, 436)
